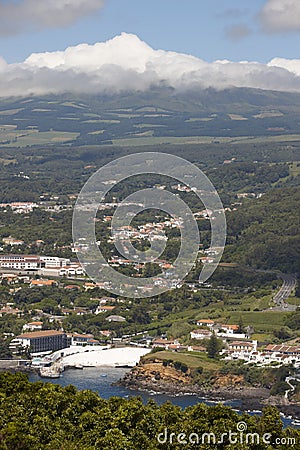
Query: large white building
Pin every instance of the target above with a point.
(40, 341)
(20, 262)
(32, 262)
(53, 261)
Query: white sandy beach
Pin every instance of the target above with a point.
(103, 356)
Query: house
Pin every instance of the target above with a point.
(177, 347)
(81, 310)
(81, 339)
(20, 207)
(10, 278)
(10, 310)
(229, 329)
(11, 241)
(104, 300)
(164, 343)
(196, 348)
(33, 326)
(71, 271)
(283, 349)
(205, 323)
(242, 346)
(104, 309)
(40, 341)
(206, 260)
(42, 283)
(72, 287)
(115, 319)
(105, 333)
(201, 334)
(229, 332)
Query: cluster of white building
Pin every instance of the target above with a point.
(43, 265)
(239, 346)
(272, 354)
(151, 231)
(20, 207)
(209, 327)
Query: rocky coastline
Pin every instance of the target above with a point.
(146, 377)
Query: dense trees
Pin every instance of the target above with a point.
(46, 416)
(265, 234)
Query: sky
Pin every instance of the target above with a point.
(260, 31)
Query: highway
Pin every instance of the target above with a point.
(289, 283)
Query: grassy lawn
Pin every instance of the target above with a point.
(190, 359)
(261, 321)
(262, 337)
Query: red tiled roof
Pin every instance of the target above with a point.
(42, 282)
(39, 334)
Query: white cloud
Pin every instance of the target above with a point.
(281, 16)
(292, 65)
(16, 17)
(125, 63)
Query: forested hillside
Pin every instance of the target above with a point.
(266, 233)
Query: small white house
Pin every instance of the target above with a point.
(205, 323)
(33, 326)
(201, 334)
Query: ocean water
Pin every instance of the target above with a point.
(100, 379)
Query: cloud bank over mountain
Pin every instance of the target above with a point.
(126, 63)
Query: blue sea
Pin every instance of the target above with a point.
(101, 379)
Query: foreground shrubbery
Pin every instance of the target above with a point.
(36, 416)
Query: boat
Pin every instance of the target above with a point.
(104, 375)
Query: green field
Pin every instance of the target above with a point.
(23, 138)
(10, 112)
(261, 321)
(190, 359)
(135, 142)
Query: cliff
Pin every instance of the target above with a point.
(155, 375)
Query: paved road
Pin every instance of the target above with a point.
(292, 386)
(289, 283)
